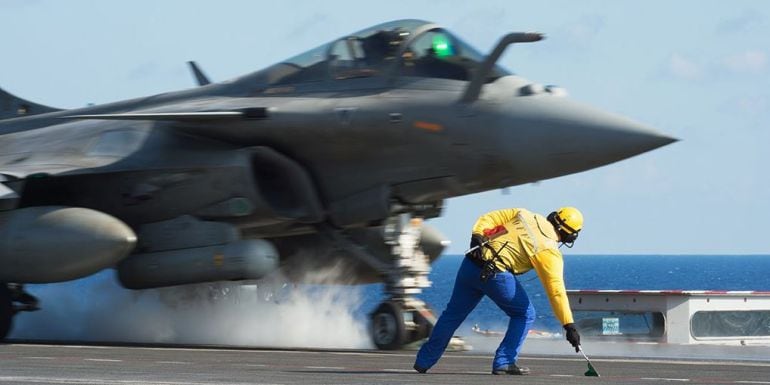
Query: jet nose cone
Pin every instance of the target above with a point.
(618, 137)
(564, 137)
(650, 140)
(591, 137)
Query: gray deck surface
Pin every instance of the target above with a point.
(71, 364)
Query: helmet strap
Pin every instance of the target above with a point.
(566, 238)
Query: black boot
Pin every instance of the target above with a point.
(512, 369)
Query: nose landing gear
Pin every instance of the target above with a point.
(401, 319)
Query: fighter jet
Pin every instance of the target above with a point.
(332, 158)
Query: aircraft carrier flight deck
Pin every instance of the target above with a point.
(22, 363)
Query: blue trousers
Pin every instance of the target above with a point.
(505, 290)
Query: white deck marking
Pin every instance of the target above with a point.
(325, 367)
(752, 382)
(655, 361)
(102, 381)
(101, 360)
(562, 375)
(665, 379)
(257, 350)
(399, 370)
(375, 353)
(63, 346)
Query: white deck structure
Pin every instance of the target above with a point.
(671, 316)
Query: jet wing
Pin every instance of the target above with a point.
(15, 171)
(13, 177)
(208, 112)
(46, 168)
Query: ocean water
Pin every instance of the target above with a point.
(610, 272)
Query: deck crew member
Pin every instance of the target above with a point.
(504, 244)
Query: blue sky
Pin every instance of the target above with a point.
(696, 70)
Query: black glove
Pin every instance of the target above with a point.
(477, 240)
(573, 336)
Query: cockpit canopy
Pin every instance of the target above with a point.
(413, 48)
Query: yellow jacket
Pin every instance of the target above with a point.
(531, 242)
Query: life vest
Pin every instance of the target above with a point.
(527, 234)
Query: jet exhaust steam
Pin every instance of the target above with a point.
(263, 313)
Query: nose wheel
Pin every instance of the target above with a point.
(388, 327)
(396, 323)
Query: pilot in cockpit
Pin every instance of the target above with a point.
(382, 47)
(431, 64)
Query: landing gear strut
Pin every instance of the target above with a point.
(13, 299)
(401, 319)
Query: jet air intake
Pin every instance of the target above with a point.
(53, 243)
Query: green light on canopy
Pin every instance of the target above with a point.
(441, 46)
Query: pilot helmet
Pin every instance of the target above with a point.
(384, 44)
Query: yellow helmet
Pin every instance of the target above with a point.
(568, 221)
(570, 218)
